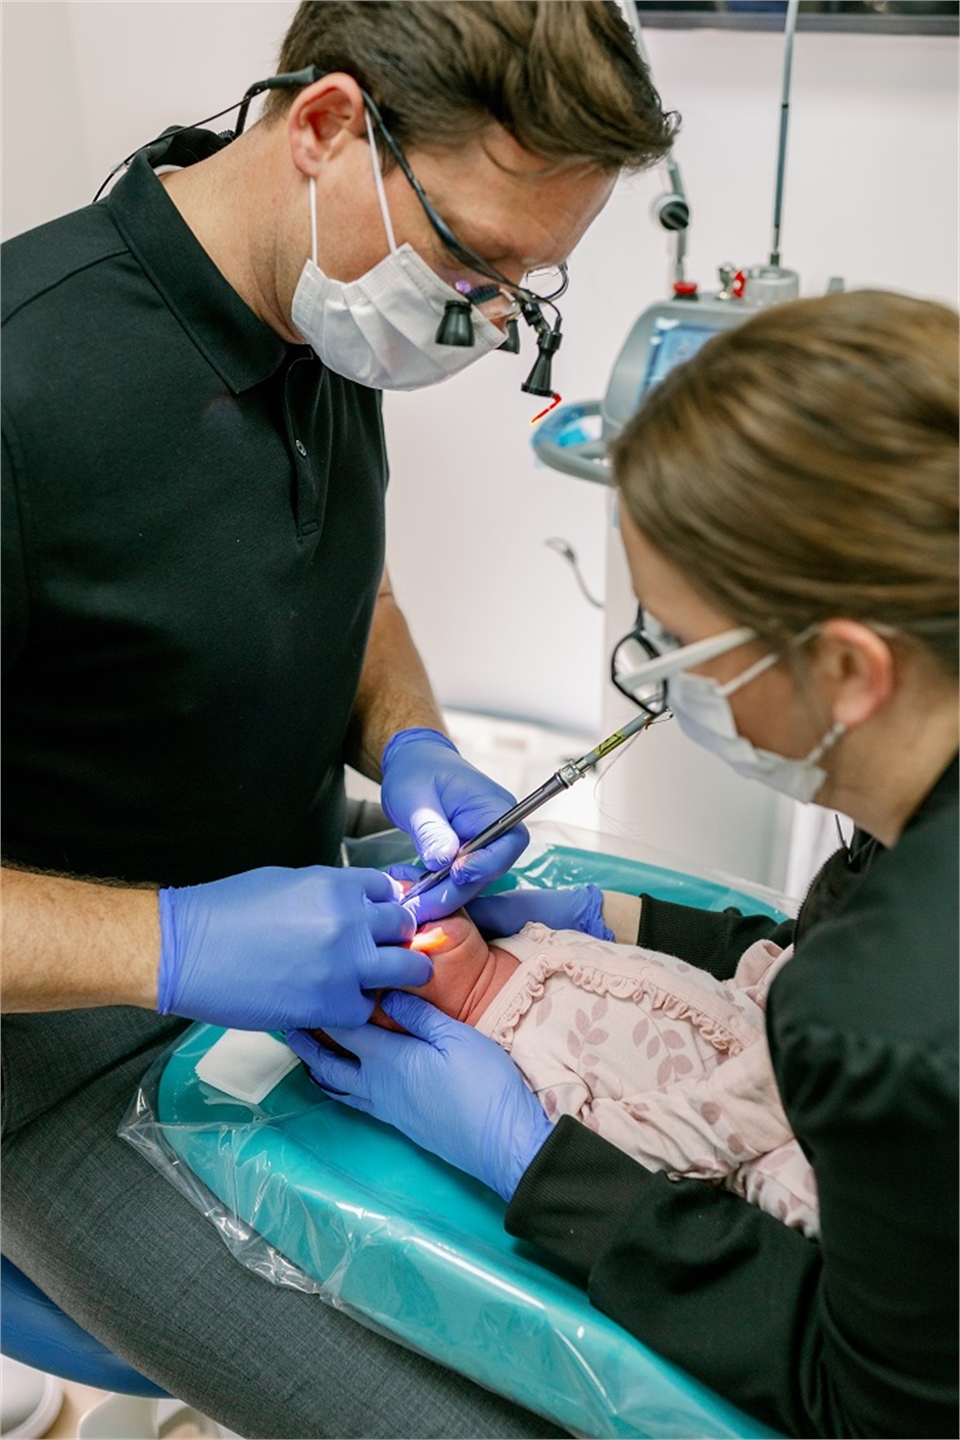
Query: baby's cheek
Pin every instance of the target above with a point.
(432, 990)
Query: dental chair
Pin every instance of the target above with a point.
(312, 1193)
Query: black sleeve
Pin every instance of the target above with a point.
(713, 940)
(698, 1274)
(13, 569)
(811, 1344)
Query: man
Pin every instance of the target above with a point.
(198, 631)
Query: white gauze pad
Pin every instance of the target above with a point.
(246, 1064)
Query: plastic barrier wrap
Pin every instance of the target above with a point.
(312, 1194)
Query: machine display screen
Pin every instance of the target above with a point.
(672, 342)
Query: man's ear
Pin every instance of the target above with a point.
(324, 116)
(857, 669)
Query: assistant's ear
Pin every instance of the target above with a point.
(324, 116)
(858, 670)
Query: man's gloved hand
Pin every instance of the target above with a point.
(432, 793)
(272, 949)
(449, 1088)
(576, 907)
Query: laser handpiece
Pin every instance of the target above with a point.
(563, 778)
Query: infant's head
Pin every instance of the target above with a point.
(467, 972)
(459, 954)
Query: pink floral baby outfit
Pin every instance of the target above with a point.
(663, 1060)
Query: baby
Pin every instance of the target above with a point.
(663, 1060)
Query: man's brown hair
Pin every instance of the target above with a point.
(563, 77)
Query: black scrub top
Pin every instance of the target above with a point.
(854, 1334)
(193, 538)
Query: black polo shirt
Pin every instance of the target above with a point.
(193, 537)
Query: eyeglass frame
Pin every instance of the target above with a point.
(297, 79)
(457, 248)
(662, 664)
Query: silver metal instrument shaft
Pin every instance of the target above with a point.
(562, 779)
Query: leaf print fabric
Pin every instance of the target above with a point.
(660, 1058)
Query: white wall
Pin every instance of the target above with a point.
(85, 83)
(871, 195)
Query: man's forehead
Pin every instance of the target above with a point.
(495, 159)
(533, 212)
(511, 238)
(505, 153)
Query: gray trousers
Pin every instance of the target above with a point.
(115, 1246)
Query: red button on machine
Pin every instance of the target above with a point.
(685, 289)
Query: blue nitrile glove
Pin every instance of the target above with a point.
(439, 799)
(575, 907)
(450, 1089)
(274, 948)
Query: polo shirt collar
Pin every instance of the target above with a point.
(236, 342)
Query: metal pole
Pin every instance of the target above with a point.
(789, 29)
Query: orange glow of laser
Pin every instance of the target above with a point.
(426, 941)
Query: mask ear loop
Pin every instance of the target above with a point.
(827, 743)
(837, 728)
(381, 196)
(378, 181)
(732, 686)
(738, 681)
(313, 220)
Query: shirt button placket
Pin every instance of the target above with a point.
(299, 404)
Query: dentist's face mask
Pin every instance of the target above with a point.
(379, 330)
(702, 709)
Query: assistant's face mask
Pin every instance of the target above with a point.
(379, 330)
(703, 712)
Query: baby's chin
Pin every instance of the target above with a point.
(440, 936)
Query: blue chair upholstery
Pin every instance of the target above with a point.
(36, 1332)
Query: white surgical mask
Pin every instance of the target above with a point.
(703, 712)
(379, 330)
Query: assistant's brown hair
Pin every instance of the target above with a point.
(562, 76)
(803, 466)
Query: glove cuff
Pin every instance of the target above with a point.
(167, 974)
(529, 1140)
(593, 923)
(411, 736)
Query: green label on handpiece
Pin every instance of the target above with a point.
(611, 743)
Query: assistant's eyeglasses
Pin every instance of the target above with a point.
(645, 658)
(644, 643)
